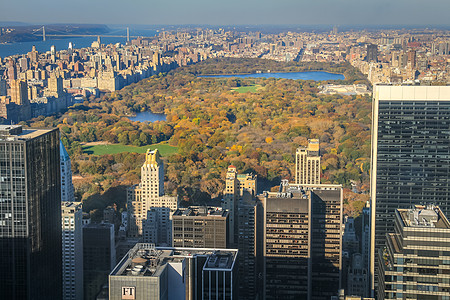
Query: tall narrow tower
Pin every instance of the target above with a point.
(149, 196)
(128, 34)
(307, 163)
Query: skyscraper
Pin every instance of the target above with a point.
(236, 185)
(302, 242)
(410, 155)
(150, 194)
(99, 257)
(249, 242)
(72, 245)
(372, 53)
(414, 263)
(30, 214)
(67, 190)
(307, 163)
(19, 92)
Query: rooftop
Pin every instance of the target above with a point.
(148, 260)
(16, 132)
(411, 93)
(196, 211)
(68, 207)
(424, 216)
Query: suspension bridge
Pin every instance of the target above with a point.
(55, 33)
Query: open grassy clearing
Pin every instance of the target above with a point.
(246, 89)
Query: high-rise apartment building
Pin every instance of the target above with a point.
(30, 214)
(410, 155)
(19, 92)
(72, 250)
(200, 227)
(236, 185)
(307, 163)
(302, 242)
(149, 273)
(150, 194)
(415, 263)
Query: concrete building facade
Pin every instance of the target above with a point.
(150, 194)
(200, 227)
(307, 163)
(72, 250)
(157, 273)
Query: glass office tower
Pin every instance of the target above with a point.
(410, 154)
(30, 214)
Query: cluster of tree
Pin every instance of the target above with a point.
(213, 127)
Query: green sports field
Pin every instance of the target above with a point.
(164, 149)
(246, 89)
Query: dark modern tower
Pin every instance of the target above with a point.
(372, 53)
(302, 242)
(99, 257)
(410, 155)
(30, 214)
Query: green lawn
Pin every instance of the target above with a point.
(163, 149)
(246, 89)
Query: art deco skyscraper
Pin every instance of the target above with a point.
(30, 214)
(307, 163)
(410, 155)
(149, 195)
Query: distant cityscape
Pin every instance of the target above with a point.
(292, 240)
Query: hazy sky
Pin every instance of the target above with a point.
(227, 12)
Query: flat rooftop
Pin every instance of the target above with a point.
(17, 132)
(411, 93)
(424, 216)
(147, 260)
(201, 211)
(68, 206)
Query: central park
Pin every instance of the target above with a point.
(254, 123)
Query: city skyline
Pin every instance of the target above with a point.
(286, 12)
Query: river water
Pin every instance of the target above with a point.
(78, 42)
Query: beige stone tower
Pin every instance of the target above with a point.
(307, 163)
(149, 195)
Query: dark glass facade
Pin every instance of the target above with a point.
(30, 214)
(413, 159)
(302, 242)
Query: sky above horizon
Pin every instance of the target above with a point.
(230, 12)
